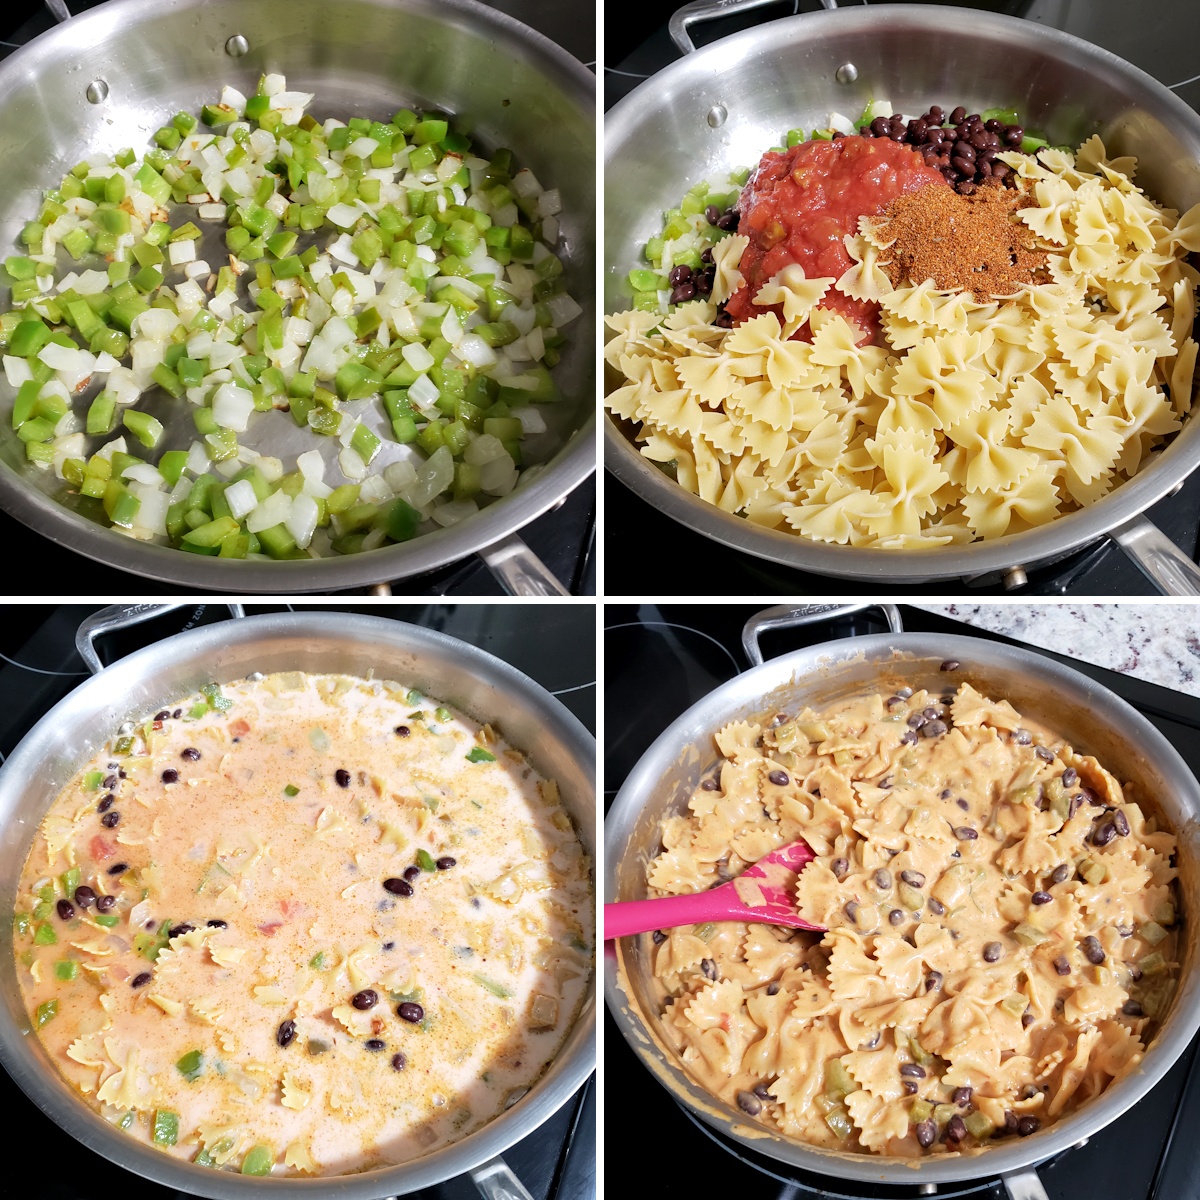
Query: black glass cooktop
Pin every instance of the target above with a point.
(553, 644)
(1164, 41)
(564, 538)
(661, 659)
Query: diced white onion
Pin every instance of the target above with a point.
(549, 203)
(424, 393)
(16, 370)
(234, 99)
(563, 310)
(211, 212)
(272, 511)
(197, 270)
(362, 147)
(143, 472)
(454, 511)
(311, 464)
(182, 252)
(197, 459)
(352, 465)
(418, 357)
(241, 499)
(400, 475)
(474, 350)
(525, 183)
(232, 407)
(343, 215)
(60, 358)
(498, 477)
(531, 418)
(301, 521)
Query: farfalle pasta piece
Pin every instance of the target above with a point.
(798, 294)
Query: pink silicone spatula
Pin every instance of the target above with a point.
(762, 892)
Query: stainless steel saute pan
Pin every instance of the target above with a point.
(1089, 716)
(108, 78)
(721, 107)
(67, 736)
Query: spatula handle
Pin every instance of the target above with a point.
(641, 916)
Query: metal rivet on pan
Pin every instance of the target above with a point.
(1015, 578)
(717, 115)
(97, 91)
(237, 46)
(846, 73)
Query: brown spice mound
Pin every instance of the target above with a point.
(975, 243)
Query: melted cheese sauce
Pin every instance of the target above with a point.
(1001, 919)
(246, 865)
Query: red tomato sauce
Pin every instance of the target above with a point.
(799, 205)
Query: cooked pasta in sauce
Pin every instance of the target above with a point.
(304, 923)
(1000, 917)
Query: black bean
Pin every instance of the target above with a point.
(851, 911)
(1076, 801)
(880, 127)
(105, 903)
(121, 773)
(1092, 950)
(217, 923)
(915, 1070)
(286, 1033)
(170, 775)
(106, 803)
(399, 1062)
(729, 219)
(992, 952)
(936, 907)
(1104, 833)
(375, 1044)
(66, 909)
(958, 115)
(712, 214)
(748, 1102)
(1061, 966)
(446, 862)
(779, 778)
(342, 776)
(917, 720)
(933, 729)
(1131, 1008)
(883, 879)
(963, 804)
(761, 1091)
(911, 1087)
(84, 896)
(1022, 737)
(140, 980)
(930, 712)
(365, 999)
(1091, 797)
(773, 988)
(933, 981)
(1070, 777)
(909, 739)
(895, 917)
(913, 878)
(402, 731)
(708, 968)
(1041, 897)
(408, 1011)
(1028, 1125)
(1120, 823)
(683, 293)
(1026, 1019)
(411, 872)
(398, 887)
(118, 868)
(679, 274)
(904, 693)
(110, 819)
(180, 930)
(710, 785)
(191, 754)
(389, 945)
(956, 1129)
(162, 716)
(962, 1096)
(965, 833)
(926, 1133)
(839, 866)
(658, 937)
(1044, 754)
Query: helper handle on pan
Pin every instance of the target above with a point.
(118, 616)
(496, 1181)
(785, 616)
(1158, 558)
(58, 10)
(519, 571)
(1024, 1185)
(707, 10)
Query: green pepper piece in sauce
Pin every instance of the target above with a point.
(478, 755)
(258, 1161)
(166, 1127)
(46, 1012)
(425, 861)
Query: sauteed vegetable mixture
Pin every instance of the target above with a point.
(304, 923)
(437, 300)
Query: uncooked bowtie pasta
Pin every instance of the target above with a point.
(383, 282)
(311, 924)
(1002, 926)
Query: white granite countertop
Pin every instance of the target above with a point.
(1157, 642)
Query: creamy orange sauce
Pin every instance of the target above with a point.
(238, 1001)
(1001, 919)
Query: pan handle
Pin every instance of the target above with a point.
(496, 1181)
(707, 10)
(786, 616)
(58, 10)
(118, 616)
(1024, 1185)
(519, 571)
(1158, 558)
